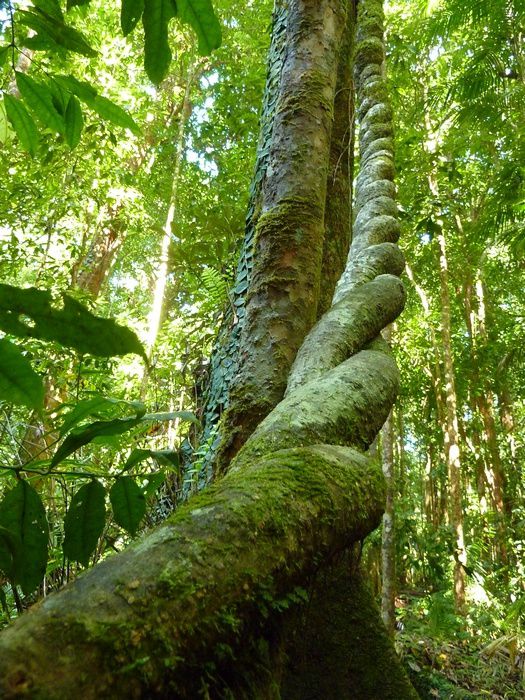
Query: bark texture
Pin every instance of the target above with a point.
(284, 291)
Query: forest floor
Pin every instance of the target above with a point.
(453, 659)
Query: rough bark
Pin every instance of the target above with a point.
(284, 291)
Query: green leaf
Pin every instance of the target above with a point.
(4, 53)
(157, 53)
(19, 383)
(3, 601)
(23, 124)
(31, 313)
(113, 113)
(95, 406)
(75, 3)
(40, 99)
(82, 89)
(22, 513)
(85, 434)
(154, 482)
(169, 458)
(74, 121)
(10, 551)
(51, 8)
(5, 131)
(51, 27)
(128, 503)
(200, 16)
(84, 522)
(130, 13)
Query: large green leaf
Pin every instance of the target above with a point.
(74, 121)
(157, 52)
(128, 503)
(84, 522)
(94, 407)
(84, 435)
(169, 458)
(130, 13)
(32, 313)
(22, 513)
(19, 383)
(39, 99)
(105, 108)
(23, 123)
(51, 29)
(111, 112)
(82, 89)
(10, 552)
(200, 16)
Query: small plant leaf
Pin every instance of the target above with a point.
(74, 121)
(72, 326)
(22, 514)
(19, 383)
(128, 503)
(84, 522)
(200, 16)
(130, 13)
(23, 123)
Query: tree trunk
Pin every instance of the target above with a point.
(196, 607)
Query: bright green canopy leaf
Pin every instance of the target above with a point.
(74, 122)
(22, 514)
(39, 99)
(51, 29)
(84, 522)
(32, 313)
(19, 383)
(200, 16)
(111, 112)
(23, 123)
(128, 503)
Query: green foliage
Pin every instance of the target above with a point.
(84, 522)
(22, 123)
(32, 313)
(19, 383)
(200, 16)
(128, 502)
(24, 537)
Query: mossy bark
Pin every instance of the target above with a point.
(351, 658)
(162, 618)
(283, 296)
